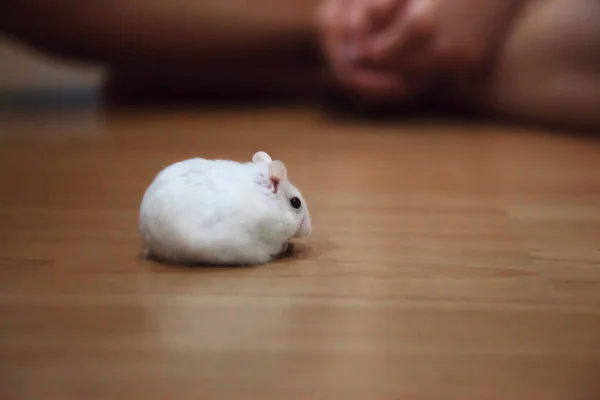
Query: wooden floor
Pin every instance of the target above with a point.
(448, 261)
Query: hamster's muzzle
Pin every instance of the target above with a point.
(305, 227)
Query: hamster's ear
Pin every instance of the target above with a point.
(277, 173)
(261, 156)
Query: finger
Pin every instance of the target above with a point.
(381, 13)
(362, 18)
(407, 35)
(344, 19)
(328, 11)
(330, 17)
(355, 19)
(339, 50)
(333, 17)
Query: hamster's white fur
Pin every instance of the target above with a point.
(222, 212)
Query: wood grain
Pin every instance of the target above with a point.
(448, 261)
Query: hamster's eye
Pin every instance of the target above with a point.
(295, 202)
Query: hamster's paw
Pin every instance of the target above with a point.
(286, 250)
(145, 252)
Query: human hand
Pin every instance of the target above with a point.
(346, 25)
(398, 47)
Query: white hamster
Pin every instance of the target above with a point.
(222, 212)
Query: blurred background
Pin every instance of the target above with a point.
(141, 50)
(30, 80)
(23, 68)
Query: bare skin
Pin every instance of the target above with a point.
(538, 59)
(378, 45)
(532, 59)
(548, 70)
